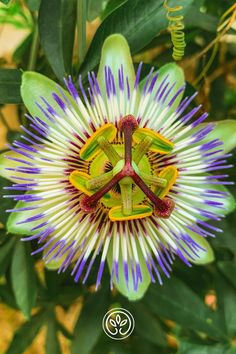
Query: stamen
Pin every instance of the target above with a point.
(126, 195)
(109, 150)
(99, 181)
(142, 148)
(89, 203)
(154, 180)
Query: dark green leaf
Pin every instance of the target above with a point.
(94, 9)
(33, 4)
(13, 135)
(227, 302)
(64, 331)
(137, 20)
(6, 296)
(205, 21)
(67, 295)
(175, 301)
(6, 203)
(57, 31)
(3, 236)
(89, 325)
(5, 253)
(190, 348)
(153, 331)
(52, 342)
(231, 350)
(5, 1)
(228, 239)
(10, 80)
(23, 278)
(229, 270)
(111, 6)
(26, 334)
(21, 54)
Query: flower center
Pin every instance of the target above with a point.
(127, 180)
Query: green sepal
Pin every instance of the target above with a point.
(15, 217)
(121, 285)
(205, 256)
(225, 130)
(175, 75)
(229, 203)
(6, 163)
(54, 263)
(115, 52)
(34, 86)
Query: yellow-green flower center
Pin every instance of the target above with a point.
(120, 174)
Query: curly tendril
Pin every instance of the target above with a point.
(176, 27)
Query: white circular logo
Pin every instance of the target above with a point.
(118, 323)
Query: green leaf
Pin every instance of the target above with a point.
(33, 5)
(25, 335)
(177, 302)
(57, 30)
(115, 52)
(153, 331)
(121, 285)
(5, 252)
(52, 345)
(10, 80)
(23, 278)
(89, 325)
(137, 20)
(190, 348)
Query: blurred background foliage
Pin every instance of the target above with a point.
(40, 312)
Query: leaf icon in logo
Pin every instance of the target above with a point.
(113, 322)
(123, 322)
(118, 319)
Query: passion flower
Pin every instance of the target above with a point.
(118, 173)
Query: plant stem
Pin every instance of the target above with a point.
(34, 49)
(81, 29)
(32, 59)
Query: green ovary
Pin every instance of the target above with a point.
(101, 164)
